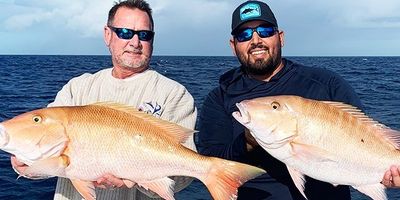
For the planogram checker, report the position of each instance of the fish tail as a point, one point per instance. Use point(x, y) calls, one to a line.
point(224, 178)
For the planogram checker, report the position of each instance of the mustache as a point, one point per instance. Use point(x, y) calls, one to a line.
point(135, 51)
point(257, 46)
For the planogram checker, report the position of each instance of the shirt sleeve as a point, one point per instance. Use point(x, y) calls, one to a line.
point(216, 137)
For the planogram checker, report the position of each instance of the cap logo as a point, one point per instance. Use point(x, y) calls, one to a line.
point(250, 10)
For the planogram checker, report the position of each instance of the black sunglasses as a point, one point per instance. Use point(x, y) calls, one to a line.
point(247, 33)
point(127, 34)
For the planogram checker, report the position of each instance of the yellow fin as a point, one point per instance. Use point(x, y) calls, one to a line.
point(116, 106)
point(176, 132)
point(226, 176)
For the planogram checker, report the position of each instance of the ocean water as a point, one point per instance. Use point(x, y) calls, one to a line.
point(31, 82)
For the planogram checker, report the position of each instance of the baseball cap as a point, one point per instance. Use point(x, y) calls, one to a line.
point(252, 10)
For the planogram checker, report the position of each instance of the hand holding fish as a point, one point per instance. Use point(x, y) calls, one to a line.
point(19, 167)
point(251, 143)
point(109, 181)
point(392, 177)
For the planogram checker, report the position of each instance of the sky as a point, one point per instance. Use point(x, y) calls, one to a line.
point(202, 27)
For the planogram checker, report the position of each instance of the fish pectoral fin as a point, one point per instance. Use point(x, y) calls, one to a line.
point(47, 167)
point(164, 187)
point(375, 191)
point(298, 179)
point(308, 152)
point(85, 188)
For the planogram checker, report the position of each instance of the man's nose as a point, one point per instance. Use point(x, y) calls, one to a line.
point(134, 41)
point(256, 38)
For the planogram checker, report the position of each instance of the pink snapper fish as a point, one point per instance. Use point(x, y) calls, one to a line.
point(328, 141)
point(83, 143)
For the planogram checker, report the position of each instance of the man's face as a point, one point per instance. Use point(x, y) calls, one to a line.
point(259, 56)
point(131, 54)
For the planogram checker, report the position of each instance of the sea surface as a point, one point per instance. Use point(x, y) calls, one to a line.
point(31, 82)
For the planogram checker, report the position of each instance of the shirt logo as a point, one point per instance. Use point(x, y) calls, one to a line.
point(250, 10)
point(151, 108)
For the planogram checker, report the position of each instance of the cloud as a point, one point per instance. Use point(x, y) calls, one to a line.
point(23, 21)
point(83, 16)
point(193, 27)
point(88, 16)
point(362, 13)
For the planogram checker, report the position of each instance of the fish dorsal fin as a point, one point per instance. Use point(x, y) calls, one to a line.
point(389, 135)
point(116, 106)
point(176, 132)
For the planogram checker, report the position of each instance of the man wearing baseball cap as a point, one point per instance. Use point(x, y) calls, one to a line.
point(257, 42)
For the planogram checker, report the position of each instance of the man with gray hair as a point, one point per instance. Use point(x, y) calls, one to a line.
point(129, 36)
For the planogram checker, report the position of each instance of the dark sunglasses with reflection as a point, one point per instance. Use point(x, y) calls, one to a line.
point(263, 31)
point(127, 34)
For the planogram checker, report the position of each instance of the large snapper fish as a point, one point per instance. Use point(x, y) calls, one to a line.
point(83, 143)
point(329, 141)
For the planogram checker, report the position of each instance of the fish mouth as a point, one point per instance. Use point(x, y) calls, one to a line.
point(4, 137)
point(242, 115)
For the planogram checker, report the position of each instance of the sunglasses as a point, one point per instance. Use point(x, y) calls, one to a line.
point(262, 31)
point(127, 34)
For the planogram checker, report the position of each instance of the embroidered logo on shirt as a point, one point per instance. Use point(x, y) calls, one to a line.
point(152, 108)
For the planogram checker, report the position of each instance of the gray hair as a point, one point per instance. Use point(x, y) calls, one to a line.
point(132, 4)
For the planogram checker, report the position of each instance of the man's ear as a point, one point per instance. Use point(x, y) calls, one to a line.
point(107, 35)
point(232, 44)
point(282, 38)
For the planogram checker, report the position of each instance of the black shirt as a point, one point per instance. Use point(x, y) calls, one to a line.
point(222, 136)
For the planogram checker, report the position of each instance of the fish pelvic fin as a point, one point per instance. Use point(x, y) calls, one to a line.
point(128, 183)
point(298, 180)
point(85, 188)
point(225, 177)
point(375, 191)
point(164, 187)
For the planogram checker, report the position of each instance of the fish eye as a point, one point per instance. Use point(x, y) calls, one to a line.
point(275, 105)
point(37, 119)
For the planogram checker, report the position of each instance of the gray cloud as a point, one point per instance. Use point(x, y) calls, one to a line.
point(202, 27)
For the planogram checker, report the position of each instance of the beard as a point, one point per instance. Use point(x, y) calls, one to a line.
point(260, 67)
point(138, 63)
point(133, 64)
